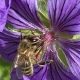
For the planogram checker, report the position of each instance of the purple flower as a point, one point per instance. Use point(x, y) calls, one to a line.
point(64, 17)
point(4, 7)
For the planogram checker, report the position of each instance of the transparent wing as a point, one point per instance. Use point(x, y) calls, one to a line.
point(19, 73)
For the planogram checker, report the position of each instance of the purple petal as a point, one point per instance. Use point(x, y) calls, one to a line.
point(72, 52)
point(4, 7)
point(65, 15)
point(57, 71)
point(23, 14)
point(8, 44)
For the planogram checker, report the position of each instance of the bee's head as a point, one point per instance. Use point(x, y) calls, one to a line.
point(31, 39)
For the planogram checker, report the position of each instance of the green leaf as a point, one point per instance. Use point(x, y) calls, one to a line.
point(76, 37)
point(44, 19)
point(42, 5)
point(61, 55)
point(42, 12)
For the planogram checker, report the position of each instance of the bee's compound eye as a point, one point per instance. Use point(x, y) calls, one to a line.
point(33, 39)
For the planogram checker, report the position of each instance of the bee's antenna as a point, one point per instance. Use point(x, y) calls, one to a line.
point(21, 37)
point(32, 32)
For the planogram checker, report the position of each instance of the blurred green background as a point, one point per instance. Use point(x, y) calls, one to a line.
point(4, 70)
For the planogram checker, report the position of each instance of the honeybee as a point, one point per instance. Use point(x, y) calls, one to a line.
point(30, 52)
point(25, 59)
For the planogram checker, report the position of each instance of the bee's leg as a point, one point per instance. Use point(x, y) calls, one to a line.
point(43, 63)
point(32, 32)
point(35, 61)
point(38, 53)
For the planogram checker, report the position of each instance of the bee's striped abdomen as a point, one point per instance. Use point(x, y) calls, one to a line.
point(27, 67)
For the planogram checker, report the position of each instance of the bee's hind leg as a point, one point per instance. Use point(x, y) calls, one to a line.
point(43, 63)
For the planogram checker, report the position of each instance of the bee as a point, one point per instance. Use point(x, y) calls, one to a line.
point(30, 52)
point(29, 47)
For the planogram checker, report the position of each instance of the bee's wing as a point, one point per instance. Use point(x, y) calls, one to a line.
point(19, 73)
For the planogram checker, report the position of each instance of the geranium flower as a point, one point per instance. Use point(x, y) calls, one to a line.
point(4, 7)
point(64, 18)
